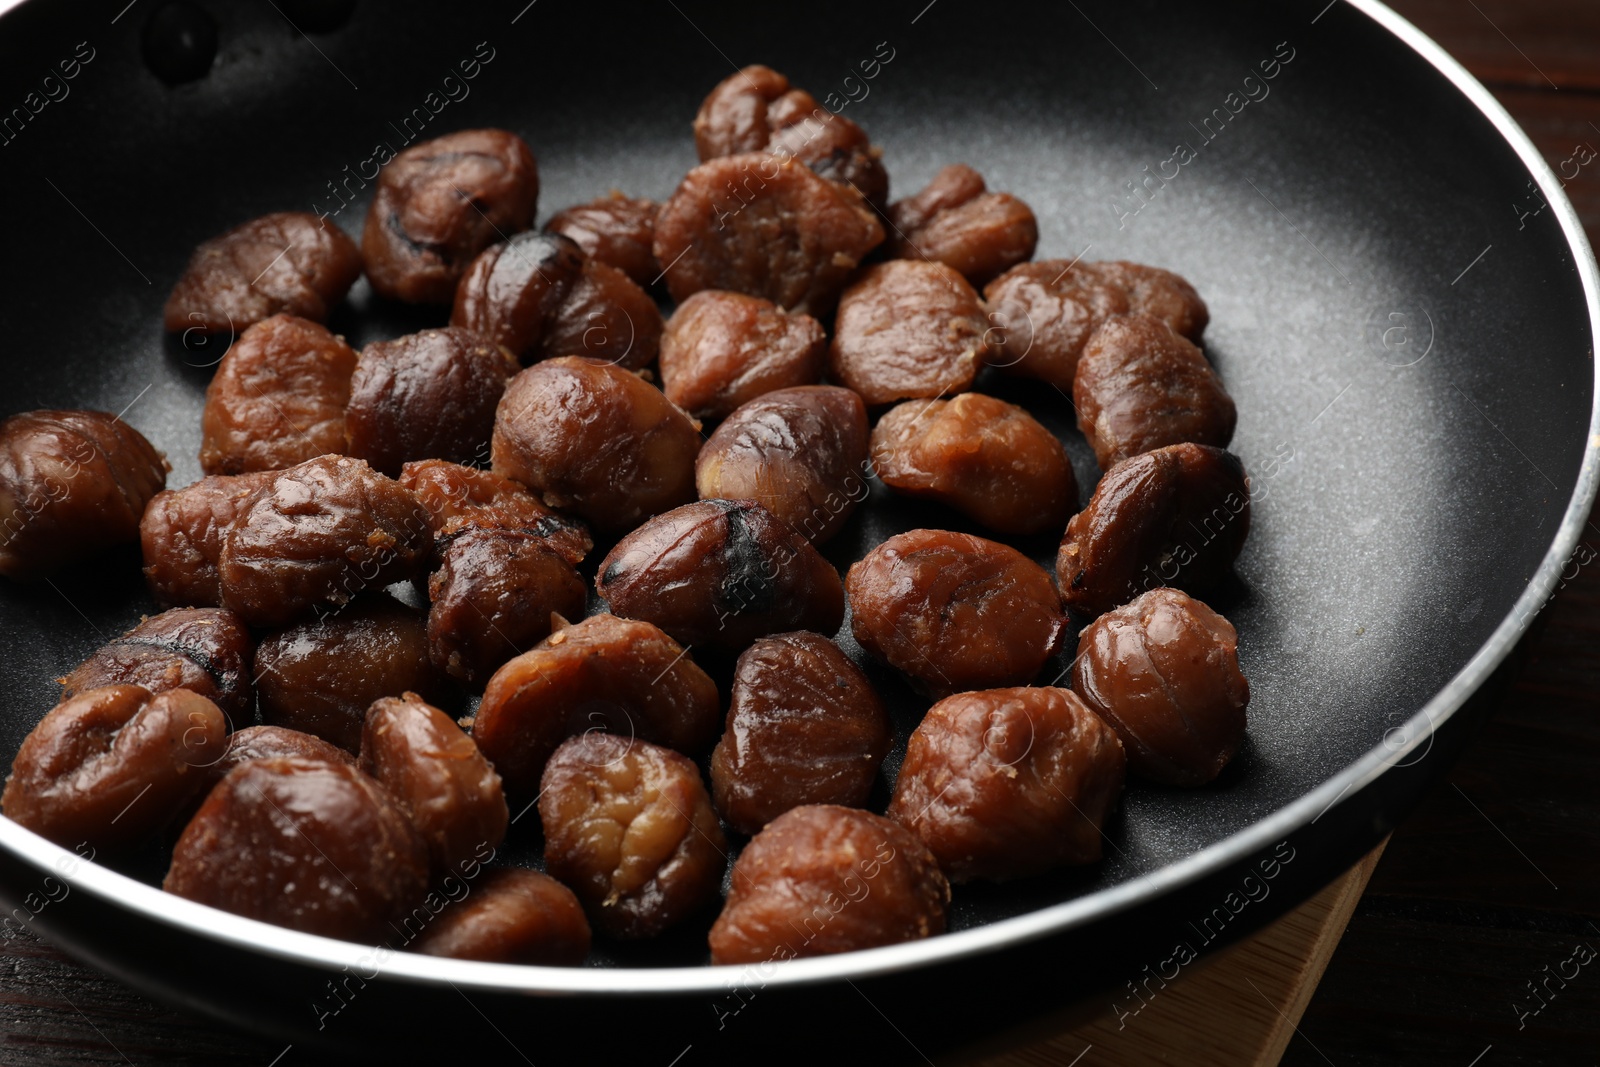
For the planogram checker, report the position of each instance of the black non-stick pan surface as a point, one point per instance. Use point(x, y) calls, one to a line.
point(1401, 307)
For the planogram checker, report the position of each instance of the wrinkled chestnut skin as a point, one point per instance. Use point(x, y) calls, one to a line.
point(908, 328)
point(1044, 312)
point(441, 202)
point(287, 262)
point(275, 546)
point(1140, 386)
point(756, 109)
point(804, 726)
point(1167, 296)
point(596, 440)
point(309, 844)
point(615, 230)
point(504, 561)
point(629, 827)
point(182, 533)
point(430, 395)
point(203, 650)
point(439, 778)
point(721, 350)
point(512, 290)
point(986, 458)
point(823, 879)
point(511, 915)
point(493, 596)
point(268, 742)
point(605, 316)
point(1177, 516)
point(456, 497)
point(956, 221)
point(954, 612)
point(72, 484)
point(766, 226)
point(800, 453)
point(1005, 783)
point(1164, 672)
point(721, 573)
point(317, 535)
point(278, 398)
point(603, 673)
point(320, 676)
point(110, 766)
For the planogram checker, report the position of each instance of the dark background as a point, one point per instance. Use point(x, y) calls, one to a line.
point(1494, 878)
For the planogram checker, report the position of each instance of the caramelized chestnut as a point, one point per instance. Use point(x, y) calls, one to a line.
point(1176, 516)
point(203, 650)
point(429, 395)
point(596, 440)
point(1163, 670)
point(511, 291)
point(72, 483)
point(438, 776)
point(804, 726)
point(800, 453)
point(111, 766)
point(720, 350)
point(273, 547)
point(511, 915)
point(1044, 312)
point(765, 225)
point(1009, 782)
point(441, 202)
point(956, 221)
point(954, 612)
point(288, 261)
point(278, 398)
point(822, 879)
point(603, 673)
point(756, 108)
point(320, 676)
point(1140, 385)
point(308, 844)
point(908, 328)
point(615, 230)
point(986, 458)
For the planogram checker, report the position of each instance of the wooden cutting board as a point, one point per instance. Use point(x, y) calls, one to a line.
point(1236, 1008)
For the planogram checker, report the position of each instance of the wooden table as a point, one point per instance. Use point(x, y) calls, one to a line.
point(1482, 896)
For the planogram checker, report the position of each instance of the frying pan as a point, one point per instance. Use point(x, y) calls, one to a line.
point(1403, 306)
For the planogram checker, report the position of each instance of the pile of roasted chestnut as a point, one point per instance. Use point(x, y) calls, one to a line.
point(381, 531)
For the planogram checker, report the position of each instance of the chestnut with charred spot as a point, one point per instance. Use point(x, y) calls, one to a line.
point(721, 573)
point(800, 453)
point(441, 202)
point(203, 650)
